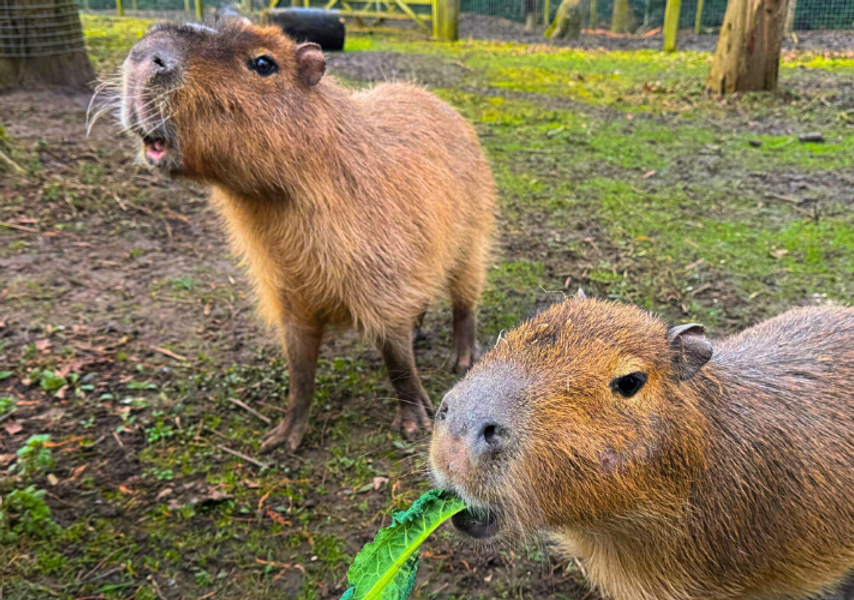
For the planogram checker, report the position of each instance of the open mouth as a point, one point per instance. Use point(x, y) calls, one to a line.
point(480, 524)
point(155, 148)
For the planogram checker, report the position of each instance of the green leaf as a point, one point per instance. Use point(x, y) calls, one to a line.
point(5, 375)
point(385, 568)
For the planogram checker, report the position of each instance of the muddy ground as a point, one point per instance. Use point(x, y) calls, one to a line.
point(127, 328)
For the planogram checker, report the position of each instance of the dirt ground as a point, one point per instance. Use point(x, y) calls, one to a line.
point(127, 329)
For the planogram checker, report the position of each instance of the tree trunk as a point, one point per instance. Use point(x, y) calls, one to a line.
point(594, 15)
point(748, 53)
point(567, 23)
point(620, 17)
point(531, 10)
point(41, 43)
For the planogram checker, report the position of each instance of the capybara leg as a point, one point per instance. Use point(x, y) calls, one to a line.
point(302, 345)
point(465, 287)
point(847, 591)
point(418, 333)
point(464, 352)
point(413, 402)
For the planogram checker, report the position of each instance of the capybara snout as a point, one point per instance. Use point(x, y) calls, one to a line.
point(669, 466)
point(189, 89)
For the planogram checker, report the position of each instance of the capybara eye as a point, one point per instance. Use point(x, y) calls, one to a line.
point(263, 65)
point(629, 385)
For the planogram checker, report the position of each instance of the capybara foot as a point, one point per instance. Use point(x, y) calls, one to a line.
point(289, 432)
point(412, 418)
point(461, 361)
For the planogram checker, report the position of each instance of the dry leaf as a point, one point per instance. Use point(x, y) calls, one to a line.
point(13, 427)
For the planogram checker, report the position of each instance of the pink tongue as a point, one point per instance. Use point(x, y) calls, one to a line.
point(155, 150)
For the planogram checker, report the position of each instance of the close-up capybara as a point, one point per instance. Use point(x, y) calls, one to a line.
point(669, 466)
point(351, 209)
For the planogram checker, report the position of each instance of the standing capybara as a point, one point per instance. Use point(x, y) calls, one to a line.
point(350, 209)
point(671, 467)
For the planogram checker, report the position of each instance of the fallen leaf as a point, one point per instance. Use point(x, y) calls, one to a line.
point(648, 174)
point(51, 479)
point(779, 253)
point(378, 482)
point(13, 427)
point(43, 345)
point(163, 494)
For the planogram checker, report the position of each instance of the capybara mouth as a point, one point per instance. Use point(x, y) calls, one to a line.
point(155, 148)
point(478, 523)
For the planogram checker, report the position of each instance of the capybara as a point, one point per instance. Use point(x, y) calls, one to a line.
point(672, 467)
point(351, 209)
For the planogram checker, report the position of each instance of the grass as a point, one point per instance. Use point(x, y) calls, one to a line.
point(615, 174)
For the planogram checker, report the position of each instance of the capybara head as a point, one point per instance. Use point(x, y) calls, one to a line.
point(222, 104)
point(581, 416)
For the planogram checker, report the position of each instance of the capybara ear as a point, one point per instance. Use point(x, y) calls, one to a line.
point(310, 63)
point(689, 349)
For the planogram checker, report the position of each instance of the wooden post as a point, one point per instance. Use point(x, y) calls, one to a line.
point(747, 57)
point(594, 16)
point(698, 19)
point(187, 6)
point(448, 12)
point(547, 9)
point(620, 17)
point(671, 24)
point(85, 4)
point(531, 11)
point(133, 4)
point(120, 10)
point(790, 16)
point(200, 11)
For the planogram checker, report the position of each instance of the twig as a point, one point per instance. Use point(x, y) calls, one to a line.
point(168, 353)
point(273, 406)
point(249, 459)
point(19, 227)
point(7, 415)
point(156, 587)
point(96, 577)
point(247, 408)
point(15, 165)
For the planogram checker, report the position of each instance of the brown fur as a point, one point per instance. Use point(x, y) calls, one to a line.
point(350, 209)
point(737, 483)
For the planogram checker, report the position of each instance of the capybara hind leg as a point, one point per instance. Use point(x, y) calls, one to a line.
point(464, 352)
point(413, 402)
point(302, 345)
point(465, 287)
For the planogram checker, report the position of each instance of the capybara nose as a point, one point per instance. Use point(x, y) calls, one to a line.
point(489, 439)
point(163, 63)
point(485, 411)
point(157, 58)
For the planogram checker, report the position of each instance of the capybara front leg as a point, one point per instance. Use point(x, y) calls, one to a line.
point(302, 345)
point(418, 333)
point(465, 351)
point(414, 407)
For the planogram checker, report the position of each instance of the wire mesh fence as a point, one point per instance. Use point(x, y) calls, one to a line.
point(644, 15)
point(40, 28)
point(649, 14)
